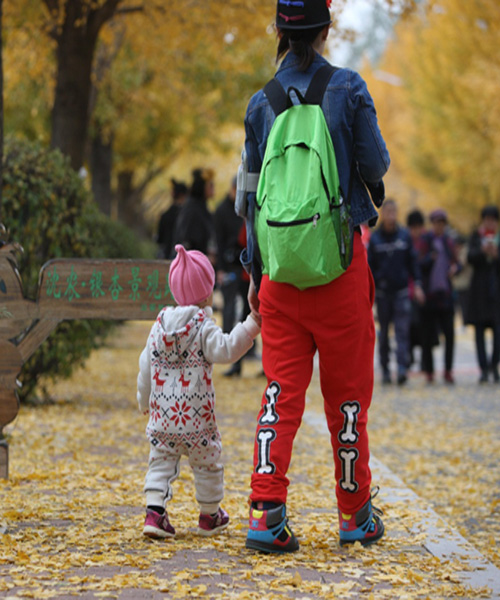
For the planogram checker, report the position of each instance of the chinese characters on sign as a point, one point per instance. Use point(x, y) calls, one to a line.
point(134, 283)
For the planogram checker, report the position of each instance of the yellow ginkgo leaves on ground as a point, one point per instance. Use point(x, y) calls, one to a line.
point(73, 508)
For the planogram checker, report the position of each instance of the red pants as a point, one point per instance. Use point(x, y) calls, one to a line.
point(337, 320)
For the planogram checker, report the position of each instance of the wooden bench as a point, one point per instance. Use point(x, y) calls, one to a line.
point(68, 289)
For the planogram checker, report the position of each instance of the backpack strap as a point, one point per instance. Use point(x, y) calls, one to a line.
point(319, 83)
point(278, 98)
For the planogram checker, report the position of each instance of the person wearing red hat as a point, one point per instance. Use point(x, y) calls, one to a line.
point(174, 387)
point(335, 319)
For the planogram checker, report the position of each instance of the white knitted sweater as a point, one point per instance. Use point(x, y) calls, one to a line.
point(175, 368)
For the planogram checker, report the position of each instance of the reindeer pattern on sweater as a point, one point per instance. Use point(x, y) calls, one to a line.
point(175, 378)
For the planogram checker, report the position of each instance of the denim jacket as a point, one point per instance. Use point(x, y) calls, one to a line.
point(352, 121)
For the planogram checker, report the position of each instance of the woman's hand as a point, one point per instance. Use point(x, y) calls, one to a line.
point(253, 298)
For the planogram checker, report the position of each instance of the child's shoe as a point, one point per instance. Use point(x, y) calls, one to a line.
point(365, 526)
point(157, 526)
point(269, 531)
point(211, 525)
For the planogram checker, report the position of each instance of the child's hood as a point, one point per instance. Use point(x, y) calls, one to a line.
point(176, 329)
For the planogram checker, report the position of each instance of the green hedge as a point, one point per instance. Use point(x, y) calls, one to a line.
point(48, 210)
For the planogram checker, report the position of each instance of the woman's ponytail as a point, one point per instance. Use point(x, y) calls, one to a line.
point(300, 42)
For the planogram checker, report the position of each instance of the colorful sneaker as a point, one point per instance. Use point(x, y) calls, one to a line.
point(365, 526)
point(269, 531)
point(157, 526)
point(209, 525)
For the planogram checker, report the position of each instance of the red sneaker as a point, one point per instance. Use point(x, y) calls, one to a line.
point(157, 526)
point(211, 525)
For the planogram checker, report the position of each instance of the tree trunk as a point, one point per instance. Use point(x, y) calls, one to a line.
point(76, 39)
point(1, 107)
point(101, 163)
point(129, 203)
point(70, 117)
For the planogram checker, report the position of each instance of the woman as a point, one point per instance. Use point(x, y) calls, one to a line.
point(483, 310)
point(336, 319)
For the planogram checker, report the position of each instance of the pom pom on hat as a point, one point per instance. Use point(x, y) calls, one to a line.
point(191, 277)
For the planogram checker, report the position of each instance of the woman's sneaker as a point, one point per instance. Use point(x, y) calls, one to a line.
point(365, 526)
point(269, 531)
point(212, 524)
point(157, 526)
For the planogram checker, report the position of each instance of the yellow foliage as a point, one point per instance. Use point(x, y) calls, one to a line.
point(443, 122)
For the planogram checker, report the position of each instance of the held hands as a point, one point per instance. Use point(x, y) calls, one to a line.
point(253, 298)
point(256, 317)
point(253, 301)
point(419, 294)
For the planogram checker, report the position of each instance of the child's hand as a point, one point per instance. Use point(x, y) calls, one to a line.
point(256, 317)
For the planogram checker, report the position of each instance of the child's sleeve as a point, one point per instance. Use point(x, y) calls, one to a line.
point(219, 347)
point(144, 381)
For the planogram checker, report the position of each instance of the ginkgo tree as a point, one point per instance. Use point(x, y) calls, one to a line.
point(445, 117)
point(150, 78)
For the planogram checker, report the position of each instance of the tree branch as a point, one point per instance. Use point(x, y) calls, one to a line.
point(98, 16)
point(52, 6)
point(129, 9)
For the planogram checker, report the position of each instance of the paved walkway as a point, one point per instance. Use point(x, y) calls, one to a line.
point(71, 515)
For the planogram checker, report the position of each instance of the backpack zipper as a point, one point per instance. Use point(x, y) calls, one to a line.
point(314, 220)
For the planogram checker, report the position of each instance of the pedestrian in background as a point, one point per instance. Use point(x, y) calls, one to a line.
point(168, 220)
point(483, 308)
point(195, 226)
point(462, 280)
point(415, 222)
point(233, 285)
point(393, 261)
point(439, 264)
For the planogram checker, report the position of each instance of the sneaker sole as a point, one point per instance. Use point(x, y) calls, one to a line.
point(364, 542)
point(269, 548)
point(211, 532)
point(156, 534)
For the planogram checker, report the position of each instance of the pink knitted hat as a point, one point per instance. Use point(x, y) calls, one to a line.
point(191, 277)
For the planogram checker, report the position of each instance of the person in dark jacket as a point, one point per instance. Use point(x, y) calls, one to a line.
point(439, 263)
point(195, 226)
point(393, 261)
point(483, 309)
point(230, 278)
point(168, 220)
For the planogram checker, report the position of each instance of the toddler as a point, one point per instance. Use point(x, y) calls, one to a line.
point(174, 386)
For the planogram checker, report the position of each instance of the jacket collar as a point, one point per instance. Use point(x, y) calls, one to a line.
point(291, 61)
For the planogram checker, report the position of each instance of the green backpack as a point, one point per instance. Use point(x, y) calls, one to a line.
point(302, 222)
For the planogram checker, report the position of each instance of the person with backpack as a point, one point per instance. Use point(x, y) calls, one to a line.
point(313, 154)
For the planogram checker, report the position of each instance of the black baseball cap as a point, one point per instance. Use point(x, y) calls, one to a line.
point(302, 14)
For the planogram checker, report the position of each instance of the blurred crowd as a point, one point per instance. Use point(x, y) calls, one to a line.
point(426, 275)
